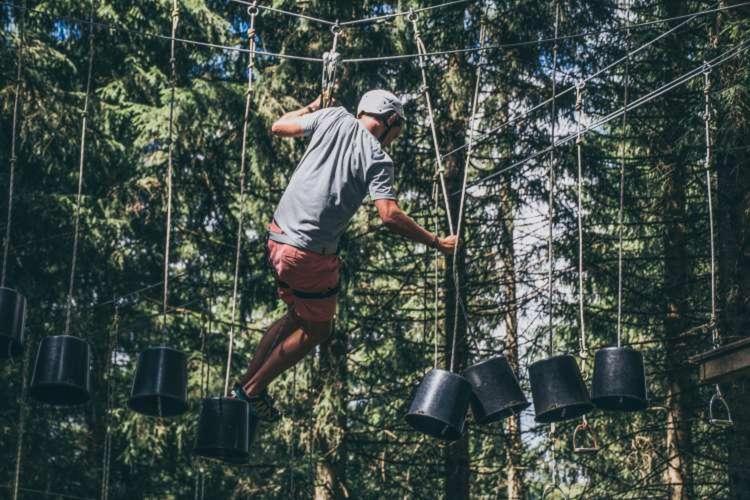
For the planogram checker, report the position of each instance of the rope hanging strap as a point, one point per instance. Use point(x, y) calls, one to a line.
point(579, 156)
point(462, 203)
point(170, 166)
point(253, 12)
point(424, 90)
point(551, 180)
point(81, 162)
point(331, 61)
point(13, 141)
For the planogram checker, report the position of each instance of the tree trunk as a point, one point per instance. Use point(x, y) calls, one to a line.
point(330, 442)
point(678, 472)
point(514, 447)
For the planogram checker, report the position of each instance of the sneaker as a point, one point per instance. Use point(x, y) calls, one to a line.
point(262, 404)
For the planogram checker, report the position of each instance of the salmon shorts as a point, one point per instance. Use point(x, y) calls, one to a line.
point(304, 271)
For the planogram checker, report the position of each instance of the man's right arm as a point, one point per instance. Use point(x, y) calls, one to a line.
point(289, 126)
point(399, 222)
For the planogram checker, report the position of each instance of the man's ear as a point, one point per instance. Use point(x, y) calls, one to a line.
point(392, 119)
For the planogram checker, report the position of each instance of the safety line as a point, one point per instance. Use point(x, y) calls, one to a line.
point(724, 57)
point(286, 12)
point(115, 28)
point(579, 157)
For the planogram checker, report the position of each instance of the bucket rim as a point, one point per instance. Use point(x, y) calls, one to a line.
point(552, 358)
point(639, 403)
point(546, 417)
point(81, 394)
point(422, 416)
point(512, 408)
point(180, 407)
point(13, 290)
point(162, 348)
point(480, 363)
point(615, 348)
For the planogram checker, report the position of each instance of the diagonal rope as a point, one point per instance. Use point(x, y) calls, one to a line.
point(626, 82)
point(707, 116)
point(170, 167)
point(727, 55)
point(462, 204)
point(253, 11)
point(551, 181)
point(81, 163)
point(425, 90)
point(13, 141)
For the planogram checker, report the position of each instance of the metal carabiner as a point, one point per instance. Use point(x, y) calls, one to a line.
point(717, 398)
point(584, 428)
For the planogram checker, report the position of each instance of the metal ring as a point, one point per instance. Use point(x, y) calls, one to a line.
point(253, 10)
point(412, 16)
point(336, 28)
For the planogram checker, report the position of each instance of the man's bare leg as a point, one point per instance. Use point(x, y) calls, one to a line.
point(276, 333)
point(287, 353)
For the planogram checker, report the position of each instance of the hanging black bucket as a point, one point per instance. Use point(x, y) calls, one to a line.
point(619, 380)
point(12, 321)
point(558, 390)
point(440, 404)
point(497, 393)
point(62, 371)
point(160, 383)
point(225, 430)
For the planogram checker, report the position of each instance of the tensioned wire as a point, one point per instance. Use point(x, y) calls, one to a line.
point(684, 78)
point(551, 187)
point(235, 48)
point(571, 88)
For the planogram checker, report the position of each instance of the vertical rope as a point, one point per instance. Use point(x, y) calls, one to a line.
point(81, 162)
point(21, 421)
point(462, 204)
point(709, 192)
point(170, 167)
point(436, 267)
point(253, 11)
point(626, 82)
point(13, 140)
point(107, 455)
point(551, 180)
point(425, 90)
point(579, 155)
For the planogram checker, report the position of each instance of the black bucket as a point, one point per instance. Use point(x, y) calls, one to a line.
point(440, 404)
point(225, 430)
point(12, 321)
point(558, 390)
point(619, 380)
point(497, 393)
point(62, 371)
point(160, 383)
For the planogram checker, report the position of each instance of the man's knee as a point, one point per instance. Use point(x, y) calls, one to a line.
point(318, 330)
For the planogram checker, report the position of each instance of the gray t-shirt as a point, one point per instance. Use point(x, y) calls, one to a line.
point(343, 163)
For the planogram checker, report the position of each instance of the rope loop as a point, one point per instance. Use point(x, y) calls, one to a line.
point(252, 10)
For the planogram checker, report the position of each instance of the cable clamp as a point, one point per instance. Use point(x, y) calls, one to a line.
point(423, 89)
point(175, 14)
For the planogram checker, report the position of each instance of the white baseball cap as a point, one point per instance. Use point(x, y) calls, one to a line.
point(380, 102)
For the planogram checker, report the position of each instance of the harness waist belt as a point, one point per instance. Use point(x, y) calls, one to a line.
point(286, 240)
point(311, 295)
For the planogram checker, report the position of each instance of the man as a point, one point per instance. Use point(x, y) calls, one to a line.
point(343, 163)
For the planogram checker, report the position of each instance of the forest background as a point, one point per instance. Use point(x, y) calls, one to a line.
point(343, 434)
